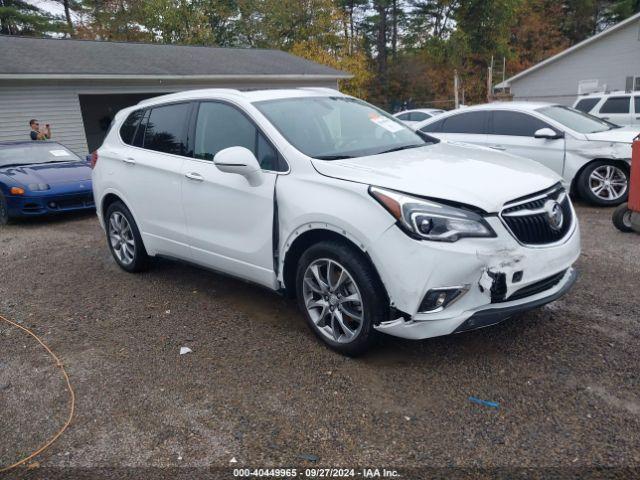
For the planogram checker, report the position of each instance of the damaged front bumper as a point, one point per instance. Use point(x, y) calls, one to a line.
point(503, 276)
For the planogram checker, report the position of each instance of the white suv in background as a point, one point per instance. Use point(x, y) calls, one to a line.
point(374, 228)
point(621, 108)
point(593, 156)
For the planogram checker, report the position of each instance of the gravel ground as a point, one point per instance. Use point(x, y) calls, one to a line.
point(260, 388)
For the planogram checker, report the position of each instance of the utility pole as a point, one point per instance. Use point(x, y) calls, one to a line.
point(490, 81)
point(455, 89)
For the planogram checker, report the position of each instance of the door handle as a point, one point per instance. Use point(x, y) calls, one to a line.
point(497, 147)
point(605, 118)
point(129, 160)
point(194, 176)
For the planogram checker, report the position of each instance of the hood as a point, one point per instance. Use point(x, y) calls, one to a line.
point(459, 173)
point(50, 173)
point(623, 134)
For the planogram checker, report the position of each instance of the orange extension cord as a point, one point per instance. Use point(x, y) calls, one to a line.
point(72, 398)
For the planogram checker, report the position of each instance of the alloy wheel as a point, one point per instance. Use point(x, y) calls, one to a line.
point(608, 182)
point(121, 238)
point(333, 300)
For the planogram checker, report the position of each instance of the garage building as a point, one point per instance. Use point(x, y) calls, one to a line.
point(607, 61)
point(78, 85)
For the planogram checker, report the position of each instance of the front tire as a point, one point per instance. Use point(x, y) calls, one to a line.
point(622, 218)
point(604, 183)
point(124, 240)
point(341, 296)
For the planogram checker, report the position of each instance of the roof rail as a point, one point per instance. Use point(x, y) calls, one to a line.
point(184, 93)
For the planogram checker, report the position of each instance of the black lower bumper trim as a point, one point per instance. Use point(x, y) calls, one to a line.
point(491, 316)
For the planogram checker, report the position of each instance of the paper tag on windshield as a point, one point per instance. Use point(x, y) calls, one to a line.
point(59, 153)
point(385, 123)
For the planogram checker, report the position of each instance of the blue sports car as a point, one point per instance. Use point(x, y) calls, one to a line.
point(39, 178)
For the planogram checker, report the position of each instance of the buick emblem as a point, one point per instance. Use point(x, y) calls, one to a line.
point(555, 217)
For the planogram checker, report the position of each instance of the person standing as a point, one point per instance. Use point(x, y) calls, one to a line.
point(36, 133)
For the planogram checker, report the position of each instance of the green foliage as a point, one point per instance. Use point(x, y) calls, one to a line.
point(18, 17)
point(399, 51)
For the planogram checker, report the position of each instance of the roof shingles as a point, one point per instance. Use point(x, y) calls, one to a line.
point(33, 56)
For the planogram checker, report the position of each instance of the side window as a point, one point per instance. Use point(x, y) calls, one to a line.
point(616, 105)
point(469, 122)
point(637, 100)
point(166, 129)
point(221, 126)
point(433, 127)
point(139, 135)
point(128, 128)
point(586, 104)
point(404, 116)
point(515, 124)
point(419, 116)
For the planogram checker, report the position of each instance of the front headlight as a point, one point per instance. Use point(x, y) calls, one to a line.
point(38, 187)
point(429, 220)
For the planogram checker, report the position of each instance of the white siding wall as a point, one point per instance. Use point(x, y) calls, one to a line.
point(610, 59)
point(58, 104)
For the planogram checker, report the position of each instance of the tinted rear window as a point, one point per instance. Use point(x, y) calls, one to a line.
point(615, 105)
point(167, 129)
point(128, 128)
point(404, 116)
point(586, 104)
point(637, 100)
point(515, 124)
point(469, 122)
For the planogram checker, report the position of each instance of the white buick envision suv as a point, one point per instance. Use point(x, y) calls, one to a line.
point(374, 228)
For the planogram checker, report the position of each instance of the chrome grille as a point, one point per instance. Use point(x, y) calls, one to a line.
point(534, 220)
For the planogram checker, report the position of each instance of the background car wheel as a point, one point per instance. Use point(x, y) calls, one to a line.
point(341, 296)
point(4, 211)
point(124, 240)
point(604, 183)
point(622, 218)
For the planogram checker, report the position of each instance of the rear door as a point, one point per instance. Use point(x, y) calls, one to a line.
point(513, 132)
point(468, 127)
point(229, 221)
point(617, 110)
point(150, 177)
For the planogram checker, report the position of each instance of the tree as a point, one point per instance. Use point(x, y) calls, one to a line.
point(18, 17)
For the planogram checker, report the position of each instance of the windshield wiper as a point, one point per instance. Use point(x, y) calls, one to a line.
point(333, 157)
point(397, 149)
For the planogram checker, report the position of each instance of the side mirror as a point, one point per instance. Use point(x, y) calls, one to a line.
point(547, 133)
point(241, 161)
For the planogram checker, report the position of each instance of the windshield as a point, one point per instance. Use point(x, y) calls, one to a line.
point(576, 120)
point(36, 152)
point(331, 128)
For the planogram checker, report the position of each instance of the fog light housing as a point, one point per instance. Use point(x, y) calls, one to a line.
point(437, 299)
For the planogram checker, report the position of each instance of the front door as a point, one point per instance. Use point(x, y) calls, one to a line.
point(229, 221)
point(513, 132)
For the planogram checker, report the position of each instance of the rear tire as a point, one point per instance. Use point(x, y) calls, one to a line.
point(604, 183)
point(4, 210)
point(124, 240)
point(622, 218)
point(341, 296)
